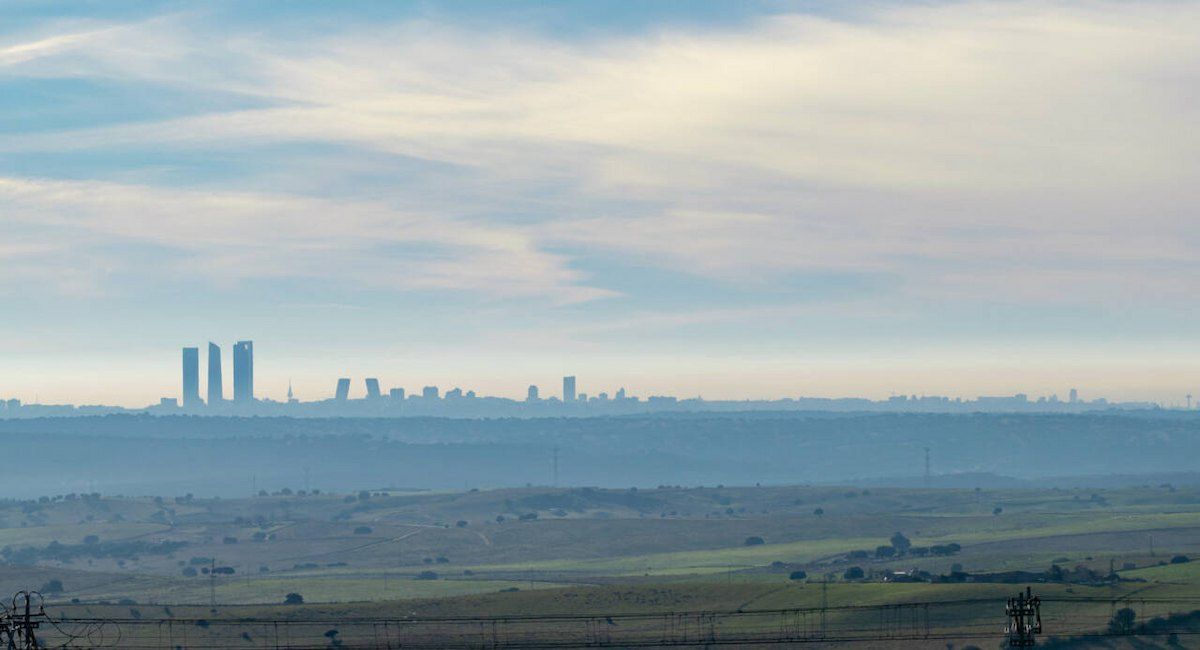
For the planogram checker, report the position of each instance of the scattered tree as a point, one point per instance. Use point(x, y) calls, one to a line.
point(820, 512)
point(754, 540)
point(52, 586)
point(797, 575)
point(1180, 559)
point(853, 573)
point(293, 599)
point(1122, 621)
point(901, 543)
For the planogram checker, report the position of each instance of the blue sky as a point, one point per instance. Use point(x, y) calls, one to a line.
point(755, 199)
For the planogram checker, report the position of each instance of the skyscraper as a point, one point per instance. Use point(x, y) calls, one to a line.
point(243, 372)
point(532, 394)
point(343, 389)
point(373, 388)
point(216, 393)
point(191, 377)
point(569, 389)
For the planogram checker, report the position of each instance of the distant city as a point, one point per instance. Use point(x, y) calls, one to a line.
point(431, 401)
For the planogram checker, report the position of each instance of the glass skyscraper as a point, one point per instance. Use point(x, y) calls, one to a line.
point(216, 391)
point(243, 372)
point(191, 377)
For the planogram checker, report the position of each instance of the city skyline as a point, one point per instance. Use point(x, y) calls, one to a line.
point(372, 390)
point(822, 380)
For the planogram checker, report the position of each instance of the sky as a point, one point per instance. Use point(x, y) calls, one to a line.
point(758, 199)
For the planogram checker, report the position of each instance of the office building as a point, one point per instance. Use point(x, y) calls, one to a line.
point(568, 394)
point(191, 377)
point(532, 394)
point(396, 394)
point(343, 389)
point(373, 388)
point(429, 392)
point(216, 392)
point(243, 372)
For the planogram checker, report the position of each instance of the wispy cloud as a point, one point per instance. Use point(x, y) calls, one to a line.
point(950, 144)
point(229, 237)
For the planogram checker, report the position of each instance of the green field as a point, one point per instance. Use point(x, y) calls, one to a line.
point(582, 552)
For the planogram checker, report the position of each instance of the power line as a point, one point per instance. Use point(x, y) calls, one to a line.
point(839, 624)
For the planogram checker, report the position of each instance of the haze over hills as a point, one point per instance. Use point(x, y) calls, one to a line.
point(231, 456)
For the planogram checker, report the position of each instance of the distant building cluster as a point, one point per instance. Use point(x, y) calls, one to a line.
point(243, 380)
point(456, 402)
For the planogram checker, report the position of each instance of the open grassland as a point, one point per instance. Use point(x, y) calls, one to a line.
point(588, 552)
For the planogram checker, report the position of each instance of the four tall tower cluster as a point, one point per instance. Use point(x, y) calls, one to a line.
point(243, 375)
point(243, 381)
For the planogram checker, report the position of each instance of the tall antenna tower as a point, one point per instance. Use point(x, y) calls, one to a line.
point(927, 474)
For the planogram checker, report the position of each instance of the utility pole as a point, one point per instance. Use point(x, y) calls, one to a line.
point(21, 628)
point(824, 604)
point(927, 475)
point(212, 584)
point(1024, 619)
